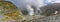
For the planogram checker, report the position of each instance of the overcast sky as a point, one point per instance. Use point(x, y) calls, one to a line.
point(16, 2)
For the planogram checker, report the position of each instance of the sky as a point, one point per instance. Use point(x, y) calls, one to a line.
point(16, 2)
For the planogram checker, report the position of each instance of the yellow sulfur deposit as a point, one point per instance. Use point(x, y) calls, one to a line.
point(10, 10)
point(14, 15)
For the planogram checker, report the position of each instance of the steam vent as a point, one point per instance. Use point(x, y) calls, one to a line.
point(9, 12)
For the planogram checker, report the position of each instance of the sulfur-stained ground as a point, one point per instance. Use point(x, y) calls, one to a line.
point(54, 18)
point(36, 18)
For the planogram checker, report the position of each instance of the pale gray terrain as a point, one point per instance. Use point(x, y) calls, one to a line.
point(55, 18)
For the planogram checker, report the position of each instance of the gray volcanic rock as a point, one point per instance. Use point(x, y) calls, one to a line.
point(55, 18)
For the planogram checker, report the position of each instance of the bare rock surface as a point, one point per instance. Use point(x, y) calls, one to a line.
point(55, 18)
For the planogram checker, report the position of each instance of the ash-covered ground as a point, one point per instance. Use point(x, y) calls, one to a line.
point(38, 18)
point(52, 18)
